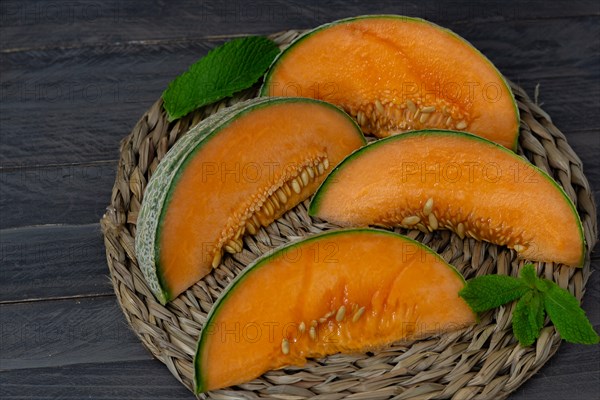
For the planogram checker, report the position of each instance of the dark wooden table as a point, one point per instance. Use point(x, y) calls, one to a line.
point(75, 77)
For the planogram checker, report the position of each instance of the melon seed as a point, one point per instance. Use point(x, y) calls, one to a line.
point(428, 109)
point(312, 332)
point(424, 117)
point(285, 346)
point(274, 202)
point(286, 188)
point(296, 186)
point(268, 208)
point(250, 227)
point(379, 107)
point(428, 207)
point(433, 222)
point(228, 248)
point(301, 327)
point(449, 121)
point(411, 106)
point(518, 248)
point(413, 219)
point(461, 125)
point(460, 229)
point(320, 169)
point(304, 177)
point(281, 196)
point(326, 163)
point(339, 317)
point(358, 314)
point(217, 259)
point(311, 172)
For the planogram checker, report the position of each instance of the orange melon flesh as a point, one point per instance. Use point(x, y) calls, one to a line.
point(396, 74)
point(391, 288)
point(473, 187)
point(234, 171)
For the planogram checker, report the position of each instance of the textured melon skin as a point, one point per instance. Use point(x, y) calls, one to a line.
point(161, 187)
point(281, 59)
point(412, 252)
point(358, 217)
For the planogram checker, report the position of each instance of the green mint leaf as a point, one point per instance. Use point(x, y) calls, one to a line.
point(566, 315)
point(225, 70)
point(490, 291)
point(528, 317)
point(529, 275)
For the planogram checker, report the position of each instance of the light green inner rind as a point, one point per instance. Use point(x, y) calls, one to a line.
point(282, 251)
point(315, 203)
point(264, 88)
point(162, 185)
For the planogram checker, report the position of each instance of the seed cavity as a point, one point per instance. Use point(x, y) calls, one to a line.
point(428, 207)
point(285, 346)
point(341, 313)
point(413, 219)
point(358, 314)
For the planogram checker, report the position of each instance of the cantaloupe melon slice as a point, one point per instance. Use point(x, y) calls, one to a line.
point(234, 172)
point(454, 180)
point(342, 291)
point(395, 74)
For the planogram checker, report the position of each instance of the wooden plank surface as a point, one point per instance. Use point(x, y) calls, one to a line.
point(75, 77)
point(51, 262)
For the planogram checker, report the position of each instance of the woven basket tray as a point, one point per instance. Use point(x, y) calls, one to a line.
point(481, 362)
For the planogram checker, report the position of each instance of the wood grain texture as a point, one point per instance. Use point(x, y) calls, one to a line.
point(53, 333)
point(110, 380)
point(76, 76)
point(64, 194)
point(109, 87)
point(49, 262)
point(93, 22)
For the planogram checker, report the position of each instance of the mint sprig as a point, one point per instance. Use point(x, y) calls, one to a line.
point(225, 70)
point(535, 298)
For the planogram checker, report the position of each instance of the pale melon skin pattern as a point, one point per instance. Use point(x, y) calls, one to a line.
point(348, 291)
point(396, 74)
point(439, 179)
point(176, 248)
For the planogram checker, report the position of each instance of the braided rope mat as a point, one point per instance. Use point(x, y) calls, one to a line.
point(481, 362)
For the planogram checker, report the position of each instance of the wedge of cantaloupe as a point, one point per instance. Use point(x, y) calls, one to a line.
point(238, 170)
point(341, 291)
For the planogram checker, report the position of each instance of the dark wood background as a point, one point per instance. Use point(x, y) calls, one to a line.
point(75, 77)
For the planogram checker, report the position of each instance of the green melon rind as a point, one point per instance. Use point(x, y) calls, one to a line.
point(199, 384)
point(264, 88)
point(315, 203)
point(160, 188)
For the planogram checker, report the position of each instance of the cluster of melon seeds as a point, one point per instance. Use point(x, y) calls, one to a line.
point(269, 204)
point(428, 219)
point(337, 315)
point(384, 117)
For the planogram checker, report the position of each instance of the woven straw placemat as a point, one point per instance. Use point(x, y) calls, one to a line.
point(481, 362)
